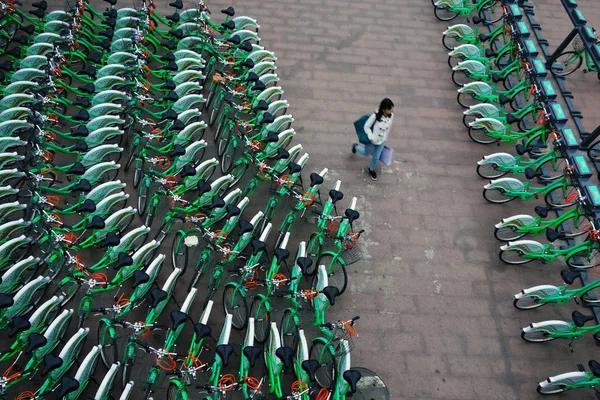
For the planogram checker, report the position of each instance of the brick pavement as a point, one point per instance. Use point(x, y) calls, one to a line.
point(434, 300)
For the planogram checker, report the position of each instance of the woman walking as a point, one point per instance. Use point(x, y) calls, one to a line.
point(377, 128)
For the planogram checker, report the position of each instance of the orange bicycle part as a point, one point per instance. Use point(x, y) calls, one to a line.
point(252, 383)
point(78, 263)
point(146, 72)
point(554, 135)
point(122, 301)
point(145, 331)
point(299, 387)
point(532, 89)
point(8, 375)
point(25, 395)
point(350, 328)
point(256, 146)
point(261, 169)
point(191, 360)
point(220, 235)
point(230, 59)
point(323, 394)
point(52, 199)
point(251, 282)
point(47, 156)
point(308, 198)
point(311, 294)
point(226, 252)
point(226, 382)
point(70, 238)
point(152, 25)
point(284, 181)
point(332, 228)
point(163, 162)
point(348, 244)
point(58, 219)
point(280, 277)
point(101, 278)
point(167, 363)
point(171, 180)
point(594, 235)
point(542, 117)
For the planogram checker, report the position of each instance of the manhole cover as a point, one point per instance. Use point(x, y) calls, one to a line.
point(370, 386)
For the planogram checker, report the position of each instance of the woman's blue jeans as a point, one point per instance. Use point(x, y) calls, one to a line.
point(371, 149)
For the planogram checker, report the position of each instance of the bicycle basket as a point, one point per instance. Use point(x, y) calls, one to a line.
point(344, 343)
point(352, 255)
point(578, 43)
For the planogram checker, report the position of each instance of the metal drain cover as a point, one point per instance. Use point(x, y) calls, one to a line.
point(370, 386)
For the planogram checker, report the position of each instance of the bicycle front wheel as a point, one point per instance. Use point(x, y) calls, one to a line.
point(584, 259)
point(234, 303)
point(313, 251)
point(566, 63)
point(575, 226)
point(559, 198)
point(109, 350)
point(142, 201)
point(323, 354)
point(174, 392)
point(492, 12)
point(445, 13)
point(336, 271)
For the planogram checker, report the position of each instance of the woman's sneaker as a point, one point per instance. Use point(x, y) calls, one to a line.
point(373, 174)
point(353, 148)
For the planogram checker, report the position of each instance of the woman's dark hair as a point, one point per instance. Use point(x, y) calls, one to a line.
point(385, 104)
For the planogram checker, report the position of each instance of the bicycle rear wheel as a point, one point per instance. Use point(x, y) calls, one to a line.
point(260, 313)
point(323, 354)
point(496, 196)
point(174, 392)
point(566, 63)
point(179, 252)
point(336, 271)
point(289, 330)
point(584, 259)
point(142, 201)
point(445, 13)
point(234, 303)
point(109, 350)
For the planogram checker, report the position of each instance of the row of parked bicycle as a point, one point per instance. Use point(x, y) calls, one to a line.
point(480, 63)
point(72, 109)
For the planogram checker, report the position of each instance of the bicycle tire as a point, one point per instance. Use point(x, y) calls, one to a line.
point(216, 110)
point(138, 174)
point(284, 229)
point(566, 63)
point(126, 374)
point(527, 303)
point(552, 172)
point(212, 288)
point(495, 196)
point(324, 355)
point(494, 12)
point(223, 141)
point(460, 78)
point(451, 42)
point(536, 337)
point(238, 171)
point(513, 257)
point(313, 251)
point(583, 260)
point(262, 319)
point(439, 12)
point(286, 143)
point(68, 294)
point(336, 272)
point(227, 159)
point(132, 153)
point(174, 392)
point(152, 210)
point(481, 136)
point(289, 330)
point(179, 252)
point(508, 234)
point(490, 171)
point(234, 303)
point(571, 228)
point(109, 351)
point(466, 100)
point(594, 151)
point(142, 201)
point(555, 388)
point(555, 198)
